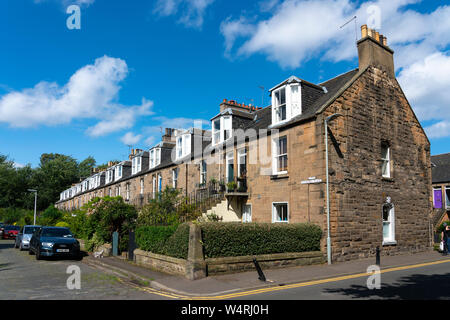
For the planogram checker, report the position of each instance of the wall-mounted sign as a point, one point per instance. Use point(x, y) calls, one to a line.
point(311, 181)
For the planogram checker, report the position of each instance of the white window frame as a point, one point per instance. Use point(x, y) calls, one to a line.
point(390, 239)
point(216, 133)
point(277, 105)
point(447, 198)
point(155, 157)
point(275, 215)
point(183, 146)
point(225, 125)
point(142, 185)
point(229, 156)
point(276, 156)
point(175, 173)
point(241, 154)
point(127, 192)
point(203, 172)
point(154, 186)
point(386, 160)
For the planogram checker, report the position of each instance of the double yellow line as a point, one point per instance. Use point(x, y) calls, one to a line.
point(284, 287)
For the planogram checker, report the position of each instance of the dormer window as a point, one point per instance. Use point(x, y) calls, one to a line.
point(136, 165)
point(109, 175)
point(155, 157)
point(222, 129)
point(279, 105)
point(118, 173)
point(286, 100)
point(183, 147)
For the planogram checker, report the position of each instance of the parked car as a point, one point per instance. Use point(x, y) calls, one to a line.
point(54, 242)
point(10, 232)
point(2, 225)
point(24, 236)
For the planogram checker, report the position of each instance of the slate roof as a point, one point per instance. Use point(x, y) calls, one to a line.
point(440, 168)
point(314, 98)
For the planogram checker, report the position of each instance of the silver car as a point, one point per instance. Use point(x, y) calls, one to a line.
point(24, 236)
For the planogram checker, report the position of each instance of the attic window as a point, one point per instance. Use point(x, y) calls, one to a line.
point(280, 105)
point(222, 129)
point(155, 157)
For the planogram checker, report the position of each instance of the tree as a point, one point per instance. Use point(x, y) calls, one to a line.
point(55, 173)
point(85, 167)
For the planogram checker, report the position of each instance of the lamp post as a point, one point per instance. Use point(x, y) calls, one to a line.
point(328, 119)
point(35, 200)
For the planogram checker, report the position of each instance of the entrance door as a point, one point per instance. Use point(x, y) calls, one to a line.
point(437, 198)
point(247, 213)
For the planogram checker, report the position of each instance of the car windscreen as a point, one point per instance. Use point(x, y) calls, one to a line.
point(56, 233)
point(30, 230)
point(12, 228)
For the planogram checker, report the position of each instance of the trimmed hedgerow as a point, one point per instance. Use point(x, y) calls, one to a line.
point(171, 241)
point(237, 239)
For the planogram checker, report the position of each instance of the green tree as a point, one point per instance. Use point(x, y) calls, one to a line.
point(56, 172)
point(85, 167)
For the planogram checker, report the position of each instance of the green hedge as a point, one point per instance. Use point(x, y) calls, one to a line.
point(171, 241)
point(237, 239)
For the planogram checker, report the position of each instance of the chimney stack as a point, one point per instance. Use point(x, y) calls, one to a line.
point(373, 51)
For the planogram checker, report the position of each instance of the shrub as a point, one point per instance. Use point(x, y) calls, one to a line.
point(50, 216)
point(62, 224)
point(15, 215)
point(236, 239)
point(160, 211)
point(441, 227)
point(172, 241)
point(107, 215)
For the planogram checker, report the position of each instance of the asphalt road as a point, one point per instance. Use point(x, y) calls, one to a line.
point(23, 277)
point(423, 283)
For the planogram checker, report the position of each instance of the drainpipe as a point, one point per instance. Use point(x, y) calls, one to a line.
point(333, 116)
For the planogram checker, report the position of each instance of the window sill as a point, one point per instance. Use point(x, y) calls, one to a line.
point(390, 243)
point(281, 175)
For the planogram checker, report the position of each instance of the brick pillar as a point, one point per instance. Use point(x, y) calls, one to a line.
point(196, 265)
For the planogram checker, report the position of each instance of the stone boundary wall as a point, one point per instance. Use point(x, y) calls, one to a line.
point(161, 263)
point(197, 267)
point(267, 261)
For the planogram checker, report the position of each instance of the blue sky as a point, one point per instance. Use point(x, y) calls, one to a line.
point(138, 66)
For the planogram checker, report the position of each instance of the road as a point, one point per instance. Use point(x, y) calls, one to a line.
point(428, 282)
point(23, 277)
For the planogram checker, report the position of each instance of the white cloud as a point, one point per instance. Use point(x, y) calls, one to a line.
point(91, 93)
point(155, 132)
point(70, 2)
point(426, 83)
point(131, 139)
point(300, 30)
point(191, 12)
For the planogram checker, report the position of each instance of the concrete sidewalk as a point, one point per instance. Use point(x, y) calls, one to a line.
point(230, 283)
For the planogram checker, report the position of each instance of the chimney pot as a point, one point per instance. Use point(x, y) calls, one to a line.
point(364, 31)
point(377, 36)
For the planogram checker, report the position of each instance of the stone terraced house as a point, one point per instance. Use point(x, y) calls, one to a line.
point(272, 161)
point(441, 188)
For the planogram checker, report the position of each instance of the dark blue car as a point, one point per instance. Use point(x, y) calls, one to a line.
point(54, 242)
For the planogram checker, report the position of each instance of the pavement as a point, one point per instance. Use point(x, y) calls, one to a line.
point(230, 284)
